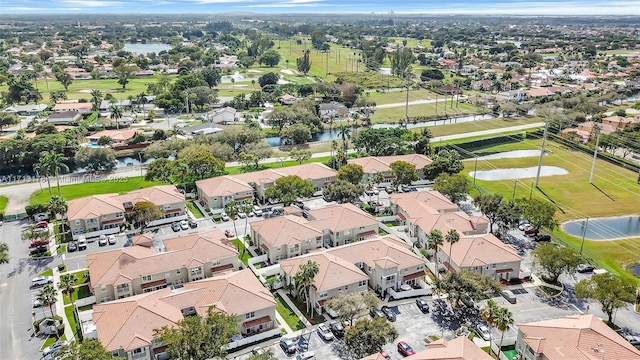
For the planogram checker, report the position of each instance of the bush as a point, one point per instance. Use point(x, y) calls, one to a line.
point(35, 209)
point(55, 317)
point(61, 267)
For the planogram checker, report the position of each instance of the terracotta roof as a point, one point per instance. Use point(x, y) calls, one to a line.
point(159, 195)
point(479, 250)
point(460, 348)
point(120, 266)
point(223, 186)
point(145, 239)
point(333, 271)
point(417, 204)
point(375, 164)
point(376, 356)
point(340, 217)
point(92, 207)
point(458, 220)
point(577, 337)
point(285, 230)
point(128, 323)
point(309, 171)
point(386, 252)
point(73, 106)
point(116, 135)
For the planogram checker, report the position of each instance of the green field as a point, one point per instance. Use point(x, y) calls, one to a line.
point(479, 125)
point(244, 257)
point(3, 203)
point(287, 314)
point(194, 209)
point(70, 192)
point(392, 115)
point(614, 192)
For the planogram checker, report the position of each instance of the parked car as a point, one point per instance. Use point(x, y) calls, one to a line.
point(523, 224)
point(39, 249)
point(102, 241)
point(483, 332)
point(224, 217)
point(175, 227)
point(41, 281)
point(389, 313)
point(257, 211)
point(40, 225)
point(228, 233)
point(385, 355)
point(112, 240)
point(507, 294)
point(82, 244)
point(632, 339)
point(242, 215)
point(307, 355)
point(287, 345)
point(585, 268)
point(422, 305)
point(376, 313)
point(529, 229)
point(193, 224)
point(405, 349)
point(184, 225)
point(467, 301)
point(337, 329)
point(38, 242)
point(542, 237)
point(72, 246)
point(324, 332)
point(54, 347)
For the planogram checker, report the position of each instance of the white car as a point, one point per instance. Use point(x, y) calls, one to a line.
point(102, 241)
point(37, 303)
point(307, 355)
point(257, 211)
point(184, 225)
point(112, 240)
point(483, 331)
point(41, 281)
point(522, 225)
point(225, 217)
point(242, 215)
point(54, 347)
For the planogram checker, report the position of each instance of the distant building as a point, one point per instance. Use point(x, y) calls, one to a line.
point(64, 117)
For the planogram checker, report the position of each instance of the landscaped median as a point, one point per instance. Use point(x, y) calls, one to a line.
point(287, 314)
point(243, 254)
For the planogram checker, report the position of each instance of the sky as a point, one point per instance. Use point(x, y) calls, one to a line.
point(480, 7)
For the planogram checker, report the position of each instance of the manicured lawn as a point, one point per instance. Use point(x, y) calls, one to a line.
point(480, 125)
point(392, 115)
point(117, 185)
point(80, 293)
point(317, 318)
point(68, 312)
point(48, 272)
point(614, 192)
point(287, 314)
point(81, 277)
point(3, 203)
point(51, 339)
point(400, 96)
point(233, 170)
point(244, 257)
point(194, 209)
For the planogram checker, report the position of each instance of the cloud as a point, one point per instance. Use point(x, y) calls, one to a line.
point(290, 3)
point(94, 3)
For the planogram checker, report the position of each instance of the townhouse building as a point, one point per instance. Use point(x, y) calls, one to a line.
point(373, 165)
point(216, 192)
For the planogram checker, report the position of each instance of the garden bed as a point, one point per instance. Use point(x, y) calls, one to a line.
point(287, 314)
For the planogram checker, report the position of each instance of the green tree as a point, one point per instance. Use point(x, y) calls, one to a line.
point(116, 114)
point(232, 210)
point(367, 337)
point(468, 284)
point(64, 79)
point(57, 205)
point(212, 76)
point(342, 191)
point(304, 279)
point(270, 58)
point(555, 260)
point(303, 63)
point(455, 187)
point(539, 213)
point(4, 253)
point(288, 189)
point(489, 314)
point(296, 134)
point(300, 155)
point(57, 95)
point(610, 291)
point(200, 162)
point(160, 169)
point(66, 285)
point(96, 159)
point(350, 306)
point(446, 162)
point(260, 150)
point(96, 99)
point(88, 349)
point(199, 338)
point(404, 172)
point(452, 237)
point(503, 320)
point(352, 173)
point(124, 72)
point(435, 241)
point(8, 119)
point(50, 165)
point(270, 78)
point(143, 212)
point(47, 296)
point(266, 354)
point(401, 61)
point(489, 205)
point(246, 207)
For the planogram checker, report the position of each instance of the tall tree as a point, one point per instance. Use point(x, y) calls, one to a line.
point(610, 291)
point(88, 349)
point(47, 296)
point(489, 205)
point(503, 320)
point(212, 76)
point(436, 240)
point(288, 189)
point(66, 285)
point(57, 205)
point(452, 237)
point(446, 162)
point(300, 155)
point(199, 338)
point(50, 164)
point(305, 280)
point(246, 207)
point(401, 61)
point(4, 253)
point(96, 99)
point(303, 63)
point(116, 114)
point(232, 210)
point(265, 354)
point(539, 213)
point(455, 187)
point(57, 95)
point(349, 306)
point(342, 191)
point(489, 314)
point(8, 119)
point(124, 72)
point(404, 172)
point(555, 260)
point(144, 211)
point(352, 173)
point(367, 337)
point(64, 79)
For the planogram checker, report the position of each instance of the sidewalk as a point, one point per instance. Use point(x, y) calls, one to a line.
point(294, 308)
point(68, 331)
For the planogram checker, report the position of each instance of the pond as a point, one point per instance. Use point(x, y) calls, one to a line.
point(517, 173)
point(636, 270)
point(604, 228)
point(323, 136)
point(238, 77)
point(511, 154)
point(453, 120)
point(144, 49)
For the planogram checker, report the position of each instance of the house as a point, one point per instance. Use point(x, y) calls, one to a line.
point(620, 122)
point(484, 254)
point(125, 327)
point(104, 214)
point(105, 105)
point(447, 90)
point(460, 348)
point(288, 99)
point(382, 164)
point(64, 117)
point(468, 70)
point(482, 85)
point(118, 136)
point(287, 236)
point(333, 110)
point(221, 116)
point(79, 107)
point(26, 110)
point(587, 130)
point(512, 95)
point(216, 192)
point(576, 337)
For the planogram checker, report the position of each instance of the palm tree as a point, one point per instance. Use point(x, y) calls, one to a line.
point(66, 285)
point(142, 100)
point(116, 114)
point(452, 237)
point(334, 146)
point(345, 134)
point(305, 278)
point(253, 83)
point(246, 207)
point(51, 164)
point(504, 319)
point(47, 296)
point(378, 178)
point(436, 239)
point(4, 253)
point(488, 314)
point(57, 205)
point(96, 99)
point(231, 208)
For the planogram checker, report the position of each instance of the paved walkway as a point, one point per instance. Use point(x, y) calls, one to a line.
point(68, 331)
point(294, 308)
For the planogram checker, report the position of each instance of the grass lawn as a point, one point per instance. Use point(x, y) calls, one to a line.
point(48, 272)
point(75, 191)
point(80, 293)
point(3, 203)
point(399, 96)
point(243, 257)
point(51, 339)
point(68, 312)
point(614, 192)
point(317, 318)
point(479, 125)
point(194, 209)
point(82, 277)
point(233, 170)
point(392, 115)
point(287, 314)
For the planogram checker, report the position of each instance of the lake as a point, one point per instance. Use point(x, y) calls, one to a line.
point(144, 49)
point(604, 228)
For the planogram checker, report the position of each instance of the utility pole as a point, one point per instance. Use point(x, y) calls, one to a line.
point(475, 170)
point(595, 157)
point(406, 107)
point(327, 65)
point(515, 184)
point(357, 70)
point(544, 140)
point(584, 233)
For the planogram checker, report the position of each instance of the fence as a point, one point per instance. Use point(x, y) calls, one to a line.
point(167, 220)
point(254, 339)
point(95, 234)
point(15, 217)
point(86, 301)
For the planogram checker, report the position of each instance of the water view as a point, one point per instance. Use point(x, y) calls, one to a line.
point(511, 154)
point(604, 228)
point(144, 49)
point(517, 173)
point(238, 77)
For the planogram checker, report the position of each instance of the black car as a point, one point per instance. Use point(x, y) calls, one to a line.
point(376, 313)
point(40, 249)
point(193, 224)
point(389, 313)
point(175, 227)
point(337, 329)
point(287, 345)
point(542, 237)
point(422, 305)
point(585, 268)
point(72, 246)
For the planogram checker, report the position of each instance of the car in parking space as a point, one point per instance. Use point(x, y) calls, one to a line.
point(102, 241)
point(39, 249)
point(376, 313)
point(509, 295)
point(40, 225)
point(585, 268)
point(82, 244)
point(193, 224)
point(54, 347)
point(325, 333)
point(384, 355)
point(389, 313)
point(529, 229)
point(175, 227)
point(404, 349)
point(287, 345)
point(632, 339)
point(184, 225)
point(242, 215)
point(307, 355)
point(337, 329)
point(483, 332)
point(224, 217)
point(422, 305)
point(112, 240)
point(467, 301)
point(37, 303)
point(257, 211)
point(38, 242)
point(229, 233)
point(522, 224)
point(542, 237)
point(72, 246)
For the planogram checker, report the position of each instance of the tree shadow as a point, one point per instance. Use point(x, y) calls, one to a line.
point(602, 191)
point(551, 200)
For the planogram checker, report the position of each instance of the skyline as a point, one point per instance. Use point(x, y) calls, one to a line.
point(463, 7)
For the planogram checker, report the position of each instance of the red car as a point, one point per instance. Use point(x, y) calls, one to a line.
point(40, 225)
point(529, 229)
point(385, 355)
point(228, 233)
point(405, 349)
point(38, 242)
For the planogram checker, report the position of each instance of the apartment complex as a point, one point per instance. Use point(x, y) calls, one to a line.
point(460, 348)
point(373, 165)
point(138, 269)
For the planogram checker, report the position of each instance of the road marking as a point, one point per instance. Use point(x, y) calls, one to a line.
point(536, 309)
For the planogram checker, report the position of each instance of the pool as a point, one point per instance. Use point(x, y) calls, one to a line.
point(517, 173)
point(604, 228)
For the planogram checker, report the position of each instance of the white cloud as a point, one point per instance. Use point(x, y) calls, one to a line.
point(290, 3)
point(94, 3)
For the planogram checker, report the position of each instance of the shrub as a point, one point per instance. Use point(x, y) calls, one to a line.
point(35, 209)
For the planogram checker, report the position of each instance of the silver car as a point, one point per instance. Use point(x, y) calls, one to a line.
point(325, 333)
